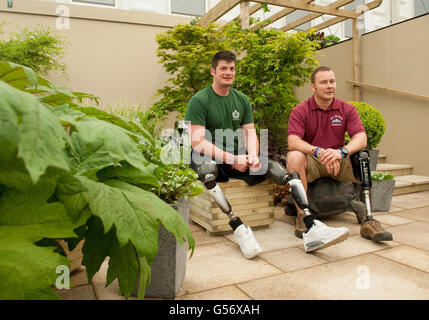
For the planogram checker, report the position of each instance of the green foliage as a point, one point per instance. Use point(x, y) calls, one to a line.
point(271, 63)
point(323, 41)
point(175, 178)
point(372, 121)
point(381, 176)
point(40, 49)
point(67, 174)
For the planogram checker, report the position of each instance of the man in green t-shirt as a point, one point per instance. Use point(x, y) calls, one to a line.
point(225, 145)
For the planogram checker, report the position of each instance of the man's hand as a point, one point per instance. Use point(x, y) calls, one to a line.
point(241, 163)
point(330, 159)
point(254, 163)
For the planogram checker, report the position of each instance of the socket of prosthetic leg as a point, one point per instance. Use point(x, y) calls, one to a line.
point(235, 223)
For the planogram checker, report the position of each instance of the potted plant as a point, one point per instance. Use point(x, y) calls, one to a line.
point(374, 125)
point(383, 185)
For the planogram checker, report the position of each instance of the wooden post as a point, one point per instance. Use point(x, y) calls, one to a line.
point(357, 59)
point(244, 14)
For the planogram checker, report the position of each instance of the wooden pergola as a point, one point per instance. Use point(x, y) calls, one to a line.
point(314, 11)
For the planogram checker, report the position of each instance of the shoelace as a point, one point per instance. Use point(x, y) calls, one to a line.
point(376, 225)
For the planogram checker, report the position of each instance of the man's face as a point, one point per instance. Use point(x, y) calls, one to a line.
point(224, 73)
point(324, 85)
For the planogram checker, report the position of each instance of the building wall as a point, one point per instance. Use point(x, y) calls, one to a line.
point(395, 58)
point(112, 52)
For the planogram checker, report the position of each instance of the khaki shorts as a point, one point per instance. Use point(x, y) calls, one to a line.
point(316, 170)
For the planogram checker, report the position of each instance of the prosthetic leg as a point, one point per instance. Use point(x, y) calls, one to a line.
point(207, 173)
point(370, 228)
point(318, 235)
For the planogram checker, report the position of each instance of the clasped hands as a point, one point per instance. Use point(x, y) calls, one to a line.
point(243, 162)
point(330, 158)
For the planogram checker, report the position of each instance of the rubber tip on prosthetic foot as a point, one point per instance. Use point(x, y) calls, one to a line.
point(235, 223)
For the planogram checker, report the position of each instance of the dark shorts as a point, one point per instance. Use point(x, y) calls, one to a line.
point(225, 171)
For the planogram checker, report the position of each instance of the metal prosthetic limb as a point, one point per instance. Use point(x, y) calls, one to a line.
point(207, 173)
point(362, 171)
point(280, 176)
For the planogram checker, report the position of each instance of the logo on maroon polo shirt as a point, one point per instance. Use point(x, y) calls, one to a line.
point(336, 121)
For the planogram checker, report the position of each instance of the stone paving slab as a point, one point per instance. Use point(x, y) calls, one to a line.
point(85, 292)
point(225, 293)
point(411, 201)
point(202, 238)
point(420, 214)
point(221, 264)
point(393, 220)
point(292, 259)
point(413, 257)
point(412, 234)
point(364, 277)
point(353, 246)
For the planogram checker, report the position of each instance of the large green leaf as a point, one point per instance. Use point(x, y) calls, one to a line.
point(28, 271)
point(99, 144)
point(136, 214)
point(41, 138)
point(130, 174)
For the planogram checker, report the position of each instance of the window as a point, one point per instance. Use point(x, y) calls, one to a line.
point(188, 7)
point(103, 2)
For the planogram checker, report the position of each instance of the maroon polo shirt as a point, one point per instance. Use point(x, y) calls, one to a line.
point(324, 128)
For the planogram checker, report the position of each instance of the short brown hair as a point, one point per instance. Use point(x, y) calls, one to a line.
point(225, 55)
point(320, 69)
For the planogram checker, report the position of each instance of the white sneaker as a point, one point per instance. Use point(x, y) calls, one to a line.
point(248, 244)
point(321, 236)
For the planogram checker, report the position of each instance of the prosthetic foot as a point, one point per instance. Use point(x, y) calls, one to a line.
point(207, 173)
point(316, 235)
point(370, 228)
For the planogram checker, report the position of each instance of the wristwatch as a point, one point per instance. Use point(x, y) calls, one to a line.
point(344, 152)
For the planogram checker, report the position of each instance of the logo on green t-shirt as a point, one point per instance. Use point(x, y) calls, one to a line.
point(236, 115)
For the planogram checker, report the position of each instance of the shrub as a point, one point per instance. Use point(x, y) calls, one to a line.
point(381, 176)
point(372, 121)
point(40, 49)
point(270, 64)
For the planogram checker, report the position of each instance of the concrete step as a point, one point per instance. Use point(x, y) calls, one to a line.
point(381, 158)
point(395, 169)
point(410, 183)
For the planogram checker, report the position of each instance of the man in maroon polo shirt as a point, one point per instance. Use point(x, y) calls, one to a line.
point(316, 143)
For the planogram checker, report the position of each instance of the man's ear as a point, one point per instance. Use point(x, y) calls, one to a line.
point(212, 71)
point(313, 87)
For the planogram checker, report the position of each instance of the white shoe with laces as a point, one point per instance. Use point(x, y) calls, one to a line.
point(321, 236)
point(248, 244)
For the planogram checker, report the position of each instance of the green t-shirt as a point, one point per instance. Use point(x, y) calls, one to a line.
point(221, 116)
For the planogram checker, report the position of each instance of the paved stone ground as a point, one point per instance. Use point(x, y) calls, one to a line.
point(354, 269)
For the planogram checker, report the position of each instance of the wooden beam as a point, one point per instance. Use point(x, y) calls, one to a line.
point(311, 16)
point(274, 17)
point(328, 23)
point(252, 10)
point(218, 11)
point(357, 59)
point(388, 90)
point(244, 14)
point(310, 7)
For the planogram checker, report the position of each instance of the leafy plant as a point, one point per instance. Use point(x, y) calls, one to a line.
point(372, 121)
point(40, 49)
point(381, 176)
point(66, 174)
point(271, 63)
